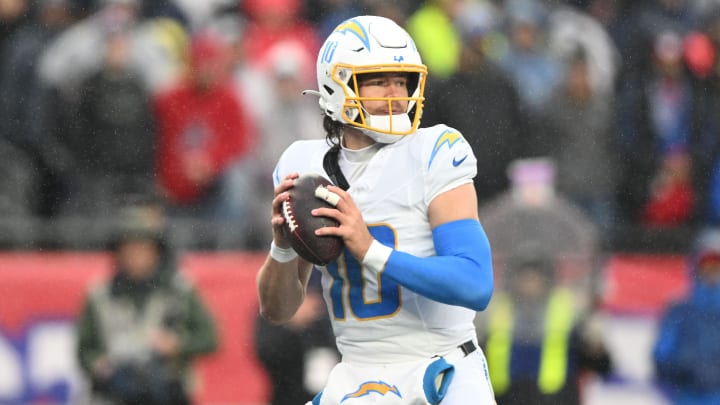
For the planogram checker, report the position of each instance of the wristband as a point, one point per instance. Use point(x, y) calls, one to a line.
point(281, 255)
point(377, 256)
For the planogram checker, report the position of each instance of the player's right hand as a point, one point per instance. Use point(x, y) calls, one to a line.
point(352, 229)
point(277, 219)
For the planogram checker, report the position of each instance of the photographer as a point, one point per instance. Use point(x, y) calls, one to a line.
point(140, 331)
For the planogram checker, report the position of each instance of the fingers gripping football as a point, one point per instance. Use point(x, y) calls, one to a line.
point(309, 192)
point(352, 227)
point(277, 221)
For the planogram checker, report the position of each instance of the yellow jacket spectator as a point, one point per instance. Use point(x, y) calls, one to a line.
point(439, 46)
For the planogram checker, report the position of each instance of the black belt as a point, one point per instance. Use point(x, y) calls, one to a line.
point(465, 348)
point(468, 347)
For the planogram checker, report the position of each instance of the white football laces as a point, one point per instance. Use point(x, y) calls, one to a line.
point(288, 215)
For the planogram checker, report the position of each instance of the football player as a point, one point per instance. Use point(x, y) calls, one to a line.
point(417, 263)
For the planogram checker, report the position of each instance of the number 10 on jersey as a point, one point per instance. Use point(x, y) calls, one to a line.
point(352, 294)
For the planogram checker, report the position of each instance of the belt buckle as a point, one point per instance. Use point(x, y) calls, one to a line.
point(460, 351)
point(467, 347)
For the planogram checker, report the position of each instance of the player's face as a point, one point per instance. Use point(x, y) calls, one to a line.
point(383, 85)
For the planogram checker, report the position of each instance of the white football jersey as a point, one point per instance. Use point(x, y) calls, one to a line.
point(374, 318)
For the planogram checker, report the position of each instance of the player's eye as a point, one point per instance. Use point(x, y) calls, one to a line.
point(376, 82)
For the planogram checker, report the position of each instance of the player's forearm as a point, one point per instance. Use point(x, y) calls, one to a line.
point(280, 290)
point(450, 280)
point(461, 273)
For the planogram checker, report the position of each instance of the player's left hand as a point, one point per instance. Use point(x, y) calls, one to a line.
point(352, 229)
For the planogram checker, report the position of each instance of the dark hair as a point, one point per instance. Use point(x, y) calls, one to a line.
point(333, 130)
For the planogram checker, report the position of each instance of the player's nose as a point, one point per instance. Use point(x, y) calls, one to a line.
point(396, 90)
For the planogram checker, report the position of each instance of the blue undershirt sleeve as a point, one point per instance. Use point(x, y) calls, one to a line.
point(461, 273)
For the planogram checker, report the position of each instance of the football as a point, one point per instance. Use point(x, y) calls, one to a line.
point(309, 192)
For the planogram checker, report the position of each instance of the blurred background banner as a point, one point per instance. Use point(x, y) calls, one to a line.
point(42, 295)
point(642, 284)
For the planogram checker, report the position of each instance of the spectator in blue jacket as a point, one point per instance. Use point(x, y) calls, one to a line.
point(687, 354)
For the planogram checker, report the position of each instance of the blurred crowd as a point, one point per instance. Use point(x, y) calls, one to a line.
point(602, 110)
point(191, 103)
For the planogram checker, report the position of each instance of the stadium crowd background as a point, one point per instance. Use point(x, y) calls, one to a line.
point(188, 103)
point(191, 102)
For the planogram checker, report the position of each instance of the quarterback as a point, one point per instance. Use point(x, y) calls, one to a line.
point(417, 264)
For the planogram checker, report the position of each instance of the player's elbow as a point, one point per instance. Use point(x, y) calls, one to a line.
point(276, 310)
point(481, 290)
point(276, 316)
point(478, 297)
point(482, 298)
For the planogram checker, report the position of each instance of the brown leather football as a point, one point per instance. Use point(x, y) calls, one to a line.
point(309, 192)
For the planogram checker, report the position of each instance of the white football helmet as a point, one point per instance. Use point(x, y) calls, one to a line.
point(370, 44)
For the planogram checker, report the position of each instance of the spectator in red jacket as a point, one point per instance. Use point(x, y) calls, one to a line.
point(672, 197)
point(202, 130)
point(277, 21)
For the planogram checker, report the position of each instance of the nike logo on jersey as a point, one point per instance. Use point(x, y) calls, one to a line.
point(457, 163)
point(447, 137)
point(379, 387)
